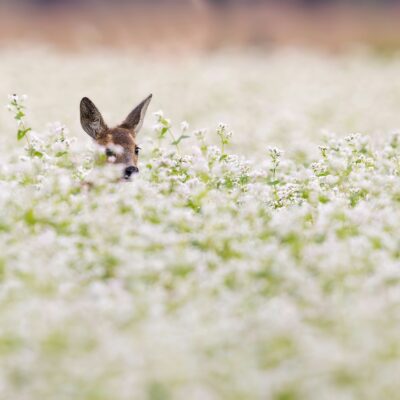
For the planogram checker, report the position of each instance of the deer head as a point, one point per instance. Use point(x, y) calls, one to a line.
point(122, 137)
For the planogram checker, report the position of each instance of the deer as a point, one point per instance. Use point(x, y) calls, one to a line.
point(122, 137)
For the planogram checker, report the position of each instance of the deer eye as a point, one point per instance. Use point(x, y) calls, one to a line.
point(110, 153)
point(137, 149)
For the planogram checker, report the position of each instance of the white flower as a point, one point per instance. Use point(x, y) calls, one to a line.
point(184, 126)
point(159, 114)
point(58, 147)
point(222, 126)
point(116, 148)
point(157, 127)
point(200, 134)
point(274, 151)
point(13, 97)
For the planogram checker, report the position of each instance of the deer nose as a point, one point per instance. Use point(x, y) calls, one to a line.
point(129, 171)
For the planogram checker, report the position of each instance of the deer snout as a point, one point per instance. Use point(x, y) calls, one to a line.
point(130, 170)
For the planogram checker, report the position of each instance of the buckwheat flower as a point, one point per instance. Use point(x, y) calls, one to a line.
point(64, 183)
point(200, 134)
point(338, 164)
point(58, 147)
point(275, 152)
point(331, 179)
point(157, 127)
point(58, 128)
point(25, 167)
point(196, 151)
point(159, 114)
point(213, 152)
point(184, 126)
point(200, 165)
point(222, 126)
point(116, 148)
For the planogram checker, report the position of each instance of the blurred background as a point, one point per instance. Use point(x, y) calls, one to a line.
point(181, 25)
point(279, 72)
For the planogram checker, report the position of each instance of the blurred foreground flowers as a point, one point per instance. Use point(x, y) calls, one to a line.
point(209, 276)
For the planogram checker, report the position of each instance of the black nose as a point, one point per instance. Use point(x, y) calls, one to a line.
point(129, 171)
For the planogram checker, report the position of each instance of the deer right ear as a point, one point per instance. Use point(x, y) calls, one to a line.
point(91, 120)
point(134, 120)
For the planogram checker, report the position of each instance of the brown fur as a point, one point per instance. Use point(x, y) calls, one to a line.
point(123, 135)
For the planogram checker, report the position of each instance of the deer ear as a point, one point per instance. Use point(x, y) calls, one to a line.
point(91, 120)
point(134, 120)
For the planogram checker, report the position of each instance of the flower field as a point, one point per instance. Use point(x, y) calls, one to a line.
point(263, 264)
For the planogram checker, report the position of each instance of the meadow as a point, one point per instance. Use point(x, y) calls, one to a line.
point(255, 256)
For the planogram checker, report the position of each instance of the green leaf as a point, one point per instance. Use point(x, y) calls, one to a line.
point(164, 122)
point(177, 141)
point(37, 154)
point(274, 182)
point(19, 115)
point(30, 218)
point(163, 132)
point(22, 133)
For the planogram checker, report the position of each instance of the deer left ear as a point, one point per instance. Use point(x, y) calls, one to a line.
point(91, 120)
point(134, 120)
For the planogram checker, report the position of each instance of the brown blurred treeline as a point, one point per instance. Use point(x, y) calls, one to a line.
point(113, 3)
point(185, 25)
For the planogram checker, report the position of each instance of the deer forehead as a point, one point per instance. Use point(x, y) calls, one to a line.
point(119, 136)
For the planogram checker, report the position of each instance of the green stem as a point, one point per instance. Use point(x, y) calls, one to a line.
point(174, 140)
